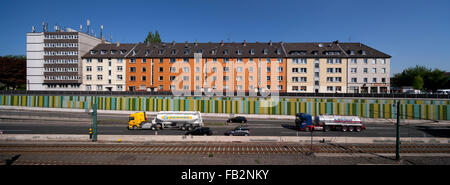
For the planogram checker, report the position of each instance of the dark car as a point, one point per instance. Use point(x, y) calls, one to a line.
point(200, 131)
point(238, 119)
point(238, 131)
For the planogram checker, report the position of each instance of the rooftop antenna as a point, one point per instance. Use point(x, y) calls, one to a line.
point(110, 37)
point(88, 23)
point(101, 31)
point(81, 27)
point(33, 29)
point(43, 26)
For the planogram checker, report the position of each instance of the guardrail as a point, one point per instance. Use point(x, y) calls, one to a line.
point(225, 94)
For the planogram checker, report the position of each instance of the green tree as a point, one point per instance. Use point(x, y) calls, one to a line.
point(149, 37)
point(156, 38)
point(153, 38)
point(418, 82)
point(432, 79)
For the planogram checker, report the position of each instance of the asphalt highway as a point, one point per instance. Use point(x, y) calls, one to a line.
point(113, 124)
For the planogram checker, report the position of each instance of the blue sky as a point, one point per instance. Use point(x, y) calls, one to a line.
point(413, 32)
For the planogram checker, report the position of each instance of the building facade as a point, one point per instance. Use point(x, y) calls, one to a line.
point(54, 59)
point(238, 67)
point(106, 67)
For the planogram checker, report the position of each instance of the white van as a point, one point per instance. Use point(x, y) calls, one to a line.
point(185, 120)
point(443, 91)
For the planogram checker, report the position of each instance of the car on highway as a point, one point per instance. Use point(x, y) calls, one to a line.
point(238, 131)
point(237, 119)
point(200, 131)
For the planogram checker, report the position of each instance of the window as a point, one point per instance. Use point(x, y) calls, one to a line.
point(338, 70)
point(197, 69)
point(88, 68)
point(353, 70)
point(225, 52)
point(338, 61)
point(142, 87)
point(132, 60)
point(161, 69)
point(144, 69)
point(329, 88)
point(268, 78)
point(119, 68)
point(226, 78)
point(100, 60)
point(365, 70)
point(239, 78)
point(329, 70)
point(186, 60)
point(144, 60)
point(226, 69)
point(99, 68)
point(160, 60)
point(265, 51)
point(365, 61)
point(239, 60)
point(365, 80)
point(383, 61)
point(172, 60)
point(354, 61)
point(280, 69)
point(119, 87)
point(374, 80)
point(119, 77)
point(295, 70)
point(133, 78)
point(374, 61)
point(88, 87)
point(338, 88)
point(173, 69)
point(172, 78)
point(186, 78)
point(374, 70)
point(186, 51)
point(329, 61)
point(252, 51)
point(144, 78)
point(354, 80)
point(99, 87)
point(383, 70)
point(279, 60)
point(279, 87)
point(132, 69)
point(88, 77)
point(99, 77)
point(383, 80)
point(185, 69)
point(329, 79)
point(338, 79)
point(280, 78)
point(88, 60)
point(161, 78)
point(294, 88)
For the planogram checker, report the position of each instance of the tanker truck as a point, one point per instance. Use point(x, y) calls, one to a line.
point(328, 122)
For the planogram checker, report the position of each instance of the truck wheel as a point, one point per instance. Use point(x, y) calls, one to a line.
point(307, 129)
point(344, 129)
point(189, 128)
point(135, 127)
point(351, 129)
point(246, 134)
point(183, 128)
point(358, 129)
point(326, 128)
point(159, 126)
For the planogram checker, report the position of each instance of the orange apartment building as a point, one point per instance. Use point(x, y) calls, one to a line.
point(218, 67)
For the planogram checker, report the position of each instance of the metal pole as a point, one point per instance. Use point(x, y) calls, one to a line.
point(397, 143)
point(94, 123)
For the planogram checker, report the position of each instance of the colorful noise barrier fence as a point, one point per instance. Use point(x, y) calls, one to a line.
point(368, 108)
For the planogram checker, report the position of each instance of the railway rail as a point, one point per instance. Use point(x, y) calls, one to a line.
point(234, 148)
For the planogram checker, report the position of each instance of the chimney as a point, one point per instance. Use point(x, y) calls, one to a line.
point(245, 43)
point(270, 43)
point(118, 44)
point(196, 43)
point(173, 42)
point(221, 42)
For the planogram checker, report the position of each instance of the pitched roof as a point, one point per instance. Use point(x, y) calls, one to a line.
point(244, 49)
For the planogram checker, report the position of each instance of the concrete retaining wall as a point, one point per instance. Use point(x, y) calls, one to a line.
point(5, 138)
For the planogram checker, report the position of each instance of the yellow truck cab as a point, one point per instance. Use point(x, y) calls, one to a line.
point(135, 120)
